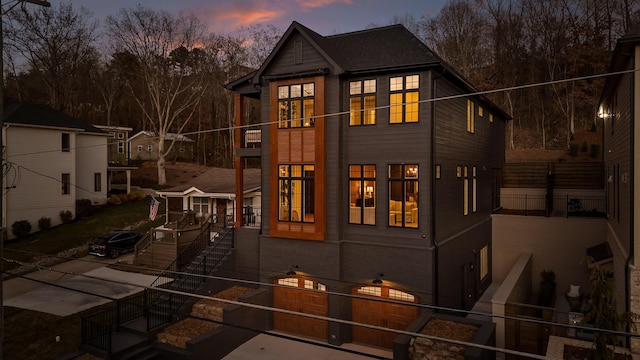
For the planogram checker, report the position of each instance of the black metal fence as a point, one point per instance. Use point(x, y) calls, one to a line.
point(201, 257)
point(252, 216)
point(556, 205)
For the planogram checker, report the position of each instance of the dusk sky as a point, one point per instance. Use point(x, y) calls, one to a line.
point(326, 17)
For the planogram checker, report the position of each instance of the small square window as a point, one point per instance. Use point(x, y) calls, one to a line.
point(395, 83)
point(369, 86)
point(413, 82)
point(354, 87)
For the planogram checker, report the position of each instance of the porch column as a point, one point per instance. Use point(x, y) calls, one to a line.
point(239, 163)
point(128, 181)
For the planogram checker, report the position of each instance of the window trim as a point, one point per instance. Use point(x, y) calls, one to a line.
point(369, 195)
point(287, 179)
point(409, 178)
point(305, 102)
point(408, 86)
point(366, 90)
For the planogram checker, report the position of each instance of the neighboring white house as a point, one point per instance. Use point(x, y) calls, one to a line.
point(52, 160)
point(213, 193)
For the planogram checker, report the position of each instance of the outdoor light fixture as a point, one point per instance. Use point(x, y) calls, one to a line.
point(377, 280)
point(292, 272)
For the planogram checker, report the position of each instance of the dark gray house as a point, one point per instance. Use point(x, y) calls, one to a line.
point(619, 106)
point(379, 170)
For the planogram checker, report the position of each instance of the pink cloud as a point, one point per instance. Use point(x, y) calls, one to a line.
point(229, 16)
point(308, 5)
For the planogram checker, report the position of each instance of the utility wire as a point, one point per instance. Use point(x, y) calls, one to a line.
point(340, 113)
point(351, 296)
point(290, 312)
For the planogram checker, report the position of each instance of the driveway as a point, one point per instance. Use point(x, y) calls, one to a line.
point(70, 292)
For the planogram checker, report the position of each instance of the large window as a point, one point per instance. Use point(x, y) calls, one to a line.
point(201, 205)
point(296, 105)
point(296, 193)
point(403, 195)
point(362, 102)
point(403, 99)
point(66, 142)
point(362, 194)
point(66, 184)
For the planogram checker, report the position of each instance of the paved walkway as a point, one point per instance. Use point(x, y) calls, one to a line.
point(267, 347)
point(60, 298)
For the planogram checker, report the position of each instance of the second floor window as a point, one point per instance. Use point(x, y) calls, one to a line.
point(362, 194)
point(296, 193)
point(120, 147)
point(403, 99)
point(66, 142)
point(362, 102)
point(149, 148)
point(403, 195)
point(139, 148)
point(296, 105)
point(471, 117)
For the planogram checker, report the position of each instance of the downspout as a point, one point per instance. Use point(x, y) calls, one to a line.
point(631, 180)
point(433, 191)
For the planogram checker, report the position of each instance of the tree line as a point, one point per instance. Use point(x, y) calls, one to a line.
point(153, 70)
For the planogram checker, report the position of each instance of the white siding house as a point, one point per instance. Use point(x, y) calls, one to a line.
point(52, 160)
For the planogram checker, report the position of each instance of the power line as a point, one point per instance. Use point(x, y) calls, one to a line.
point(347, 295)
point(290, 312)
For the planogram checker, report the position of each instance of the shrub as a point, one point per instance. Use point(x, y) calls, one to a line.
point(595, 151)
point(66, 216)
point(573, 149)
point(21, 228)
point(114, 200)
point(83, 207)
point(44, 223)
point(584, 147)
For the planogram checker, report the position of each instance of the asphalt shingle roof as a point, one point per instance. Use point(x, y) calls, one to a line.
point(44, 116)
point(220, 180)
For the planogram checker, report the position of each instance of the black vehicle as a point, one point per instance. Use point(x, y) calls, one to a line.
point(114, 243)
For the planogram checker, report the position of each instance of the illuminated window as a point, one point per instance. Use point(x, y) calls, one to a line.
point(296, 105)
point(471, 121)
point(400, 295)
point(403, 99)
point(296, 193)
point(459, 172)
point(362, 194)
point(480, 111)
point(403, 195)
point(288, 282)
point(437, 171)
point(370, 290)
point(490, 117)
point(362, 102)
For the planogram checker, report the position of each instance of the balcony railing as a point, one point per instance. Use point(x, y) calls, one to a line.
point(252, 138)
point(251, 216)
point(557, 205)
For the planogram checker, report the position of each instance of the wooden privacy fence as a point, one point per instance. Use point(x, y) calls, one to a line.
point(565, 175)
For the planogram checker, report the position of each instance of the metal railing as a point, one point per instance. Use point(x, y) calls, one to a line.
point(201, 257)
point(251, 216)
point(557, 205)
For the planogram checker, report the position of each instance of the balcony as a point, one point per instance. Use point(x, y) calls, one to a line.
point(251, 216)
point(251, 143)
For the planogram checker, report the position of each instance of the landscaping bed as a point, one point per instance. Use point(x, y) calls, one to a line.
point(206, 316)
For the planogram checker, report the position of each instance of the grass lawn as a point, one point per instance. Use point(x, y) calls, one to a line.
point(133, 214)
point(31, 334)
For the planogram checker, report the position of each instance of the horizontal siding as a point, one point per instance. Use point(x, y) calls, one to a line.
point(37, 167)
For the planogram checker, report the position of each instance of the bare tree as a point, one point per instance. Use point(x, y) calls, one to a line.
point(57, 43)
point(165, 48)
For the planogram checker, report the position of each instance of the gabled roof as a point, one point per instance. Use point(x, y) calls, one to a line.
point(167, 136)
point(42, 116)
point(621, 56)
point(219, 181)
